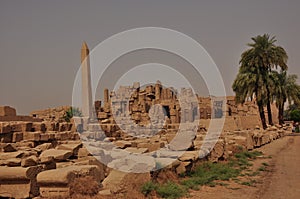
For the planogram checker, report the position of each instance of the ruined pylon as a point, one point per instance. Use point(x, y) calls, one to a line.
point(87, 102)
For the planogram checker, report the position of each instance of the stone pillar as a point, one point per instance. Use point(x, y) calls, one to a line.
point(157, 90)
point(173, 116)
point(106, 95)
point(87, 104)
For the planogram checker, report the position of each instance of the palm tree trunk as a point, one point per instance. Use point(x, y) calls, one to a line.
point(280, 113)
point(269, 108)
point(269, 114)
point(262, 114)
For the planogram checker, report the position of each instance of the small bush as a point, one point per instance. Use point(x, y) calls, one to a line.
point(248, 183)
point(262, 168)
point(255, 173)
point(71, 112)
point(148, 187)
point(171, 190)
point(265, 164)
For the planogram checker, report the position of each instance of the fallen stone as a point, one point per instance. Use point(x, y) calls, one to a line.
point(16, 154)
point(25, 143)
point(58, 155)
point(12, 162)
point(54, 183)
point(182, 141)
point(44, 147)
point(18, 182)
point(9, 148)
point(183, 167)
point(168, 163)
point(217, 151)
point(83, 152)
point(189, 156)
point(137, 150)
point(118, 182)
point(70, 147)
point(133, 163)
point(29, 161)
point(48, 162)
point(122, 144)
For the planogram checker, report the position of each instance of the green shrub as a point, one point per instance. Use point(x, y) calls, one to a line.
point(148, 187)
point(171, 190)
point(295, 115)
point(206, 173)
point(71, 112)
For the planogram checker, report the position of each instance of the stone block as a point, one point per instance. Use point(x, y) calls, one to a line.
point(137, 150)
point(74, 148)
point(44, 147)
point(29, 161)
point(117, 181)
point(58, 155)
point(9, 148)
point(55, 183)
point(32, 136)
point(12, 162)
point(183, 167)
point(45, 137)
point(39, 126)
point(18, 182)
point(217, 151)
point(7, 111)
point(151, 146)
point(25, 143)
point(16, 126)
point(122, 144)
point(6, 137)
point(52, 126)
point(83, 152)
point(21, 126)
point(189, 156)
point(17, 137)
point(16, 154)
point(5, 127)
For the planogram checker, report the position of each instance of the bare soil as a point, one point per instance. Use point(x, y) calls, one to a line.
point(279, 180)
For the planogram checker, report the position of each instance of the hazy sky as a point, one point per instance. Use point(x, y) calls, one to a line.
point(40, 41)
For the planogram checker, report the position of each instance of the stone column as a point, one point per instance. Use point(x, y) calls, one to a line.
point(157, 90)
point(87, 104)
point(106, 95)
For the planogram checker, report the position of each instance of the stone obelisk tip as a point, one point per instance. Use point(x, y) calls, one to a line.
point(84, 46)
point(84, 51)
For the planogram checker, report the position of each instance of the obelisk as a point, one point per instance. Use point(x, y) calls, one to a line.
point(87, 102)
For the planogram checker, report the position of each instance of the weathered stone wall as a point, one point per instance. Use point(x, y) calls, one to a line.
point(51, 114)
point(7, 111)
point(237, 116)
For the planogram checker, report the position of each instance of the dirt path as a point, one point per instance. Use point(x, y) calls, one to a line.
point(281, 180)
point(284, 181)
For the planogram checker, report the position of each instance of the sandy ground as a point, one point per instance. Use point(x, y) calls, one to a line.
point(281, 180)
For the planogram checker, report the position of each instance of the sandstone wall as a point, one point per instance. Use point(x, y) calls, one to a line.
point(7, 111)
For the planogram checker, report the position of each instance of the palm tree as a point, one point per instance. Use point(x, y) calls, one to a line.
point(265, 55)
point(286, 89)
point(249, 84)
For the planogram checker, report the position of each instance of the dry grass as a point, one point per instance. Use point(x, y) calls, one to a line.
point(84, 186)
